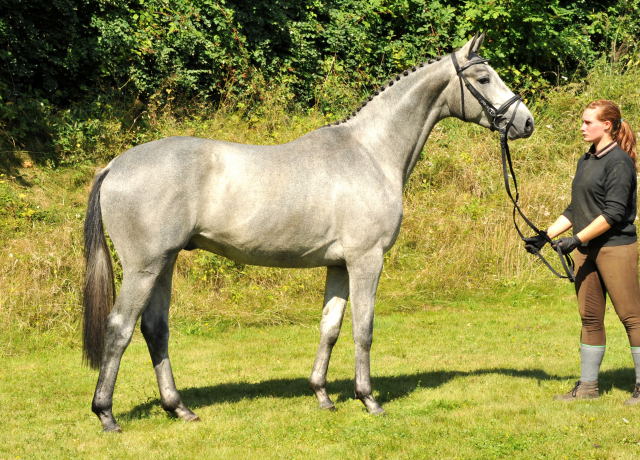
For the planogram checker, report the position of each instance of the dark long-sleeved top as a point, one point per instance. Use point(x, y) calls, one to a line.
point(605, 185)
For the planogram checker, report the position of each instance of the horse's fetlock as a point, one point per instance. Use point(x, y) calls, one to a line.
point(363, 393)
point(171, 404)
point(316, 384)
point(100, 408)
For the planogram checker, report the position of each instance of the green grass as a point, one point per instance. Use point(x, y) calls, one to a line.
point(466, 380)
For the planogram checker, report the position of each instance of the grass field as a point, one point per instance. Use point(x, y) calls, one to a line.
point(471, 379)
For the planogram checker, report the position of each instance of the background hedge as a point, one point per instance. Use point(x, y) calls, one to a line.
point(67, 65)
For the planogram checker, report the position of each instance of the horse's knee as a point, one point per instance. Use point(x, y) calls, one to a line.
point(330, 335)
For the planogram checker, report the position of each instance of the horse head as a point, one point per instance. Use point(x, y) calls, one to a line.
point(476, 93)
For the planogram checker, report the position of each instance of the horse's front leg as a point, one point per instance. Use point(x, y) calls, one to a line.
point(364, 273)
point(335, 301)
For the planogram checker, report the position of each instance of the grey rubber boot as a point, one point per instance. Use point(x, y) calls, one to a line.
point(581, 390)
point(635, 397)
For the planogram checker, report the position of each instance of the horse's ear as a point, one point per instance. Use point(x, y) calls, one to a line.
point(476, 43)
point(472, 46)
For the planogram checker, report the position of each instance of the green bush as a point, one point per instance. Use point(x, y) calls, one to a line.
point(58, 57)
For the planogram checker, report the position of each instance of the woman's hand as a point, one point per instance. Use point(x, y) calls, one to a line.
point(533, 244)
point(567, 244)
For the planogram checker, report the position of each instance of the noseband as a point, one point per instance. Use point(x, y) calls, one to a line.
point(498, 122)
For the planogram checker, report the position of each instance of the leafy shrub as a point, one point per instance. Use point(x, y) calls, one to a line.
point(58, 57)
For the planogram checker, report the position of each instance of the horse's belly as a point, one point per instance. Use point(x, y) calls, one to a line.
point(274, 255)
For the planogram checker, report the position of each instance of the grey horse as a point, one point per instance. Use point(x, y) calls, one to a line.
point(332, 197)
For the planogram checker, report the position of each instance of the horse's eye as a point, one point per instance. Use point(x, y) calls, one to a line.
point(483, 80)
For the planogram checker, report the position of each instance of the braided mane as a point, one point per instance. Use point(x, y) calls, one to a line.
point(384, 87)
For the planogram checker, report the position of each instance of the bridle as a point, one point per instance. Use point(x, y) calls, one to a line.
point(498, 122)
point(495, 116)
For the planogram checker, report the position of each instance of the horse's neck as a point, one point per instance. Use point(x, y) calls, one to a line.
point(394, 126)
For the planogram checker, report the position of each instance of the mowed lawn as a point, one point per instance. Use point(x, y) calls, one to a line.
point(469, 379)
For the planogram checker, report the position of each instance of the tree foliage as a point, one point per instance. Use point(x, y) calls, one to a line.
point(58, 54)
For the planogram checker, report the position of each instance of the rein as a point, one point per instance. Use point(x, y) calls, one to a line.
point(496, 119)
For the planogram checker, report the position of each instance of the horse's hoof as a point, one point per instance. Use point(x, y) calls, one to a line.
point(184, 413)
point(109, 424)
point(372, 405)
point(191, 418)
point(115, 428)
point(328, 406)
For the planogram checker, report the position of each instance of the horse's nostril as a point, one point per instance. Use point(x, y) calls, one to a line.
point(528, 126)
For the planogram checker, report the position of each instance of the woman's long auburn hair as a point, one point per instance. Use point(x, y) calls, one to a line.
point(621, 131)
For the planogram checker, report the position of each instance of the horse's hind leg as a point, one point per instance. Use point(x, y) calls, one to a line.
point(155, 329)
point(135, 293)
point(335, 301)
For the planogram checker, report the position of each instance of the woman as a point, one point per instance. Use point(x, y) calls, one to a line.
point(602, 214)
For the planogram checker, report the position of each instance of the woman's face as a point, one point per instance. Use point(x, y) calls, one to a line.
point(593, 129)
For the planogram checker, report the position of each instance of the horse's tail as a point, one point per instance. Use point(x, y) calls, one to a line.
point(99, 288)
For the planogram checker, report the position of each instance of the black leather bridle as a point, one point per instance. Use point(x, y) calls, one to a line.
point(498, 122)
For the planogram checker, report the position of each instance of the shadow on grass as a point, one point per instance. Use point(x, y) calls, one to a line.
point(623, 379)
point(389, 388)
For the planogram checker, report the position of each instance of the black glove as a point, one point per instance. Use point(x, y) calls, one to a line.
point(567, 244)
point(533, 244)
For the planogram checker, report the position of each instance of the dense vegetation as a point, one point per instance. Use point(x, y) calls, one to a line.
point(75, 71)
